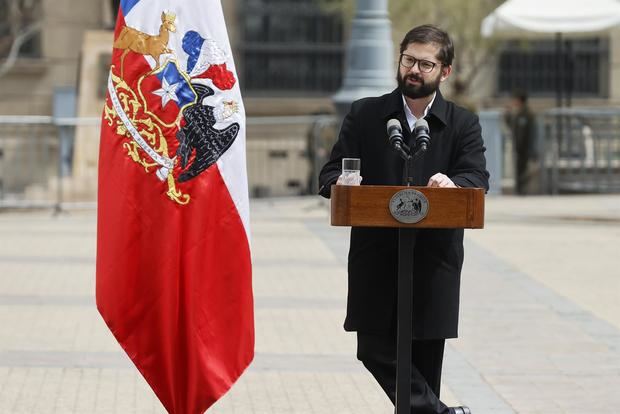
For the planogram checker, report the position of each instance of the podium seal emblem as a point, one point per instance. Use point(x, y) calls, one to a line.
point(409, 206)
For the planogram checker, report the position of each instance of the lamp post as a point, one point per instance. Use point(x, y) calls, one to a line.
point(370, 56)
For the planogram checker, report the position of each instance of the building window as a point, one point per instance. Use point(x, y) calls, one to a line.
point(17, 21)
point(290, 46)
point(532, 67)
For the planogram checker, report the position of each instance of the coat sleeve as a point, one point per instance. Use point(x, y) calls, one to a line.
point(347, 146)
point(469, 164)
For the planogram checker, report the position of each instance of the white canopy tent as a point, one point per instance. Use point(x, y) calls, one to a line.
point(533, 18)
point(553, 18)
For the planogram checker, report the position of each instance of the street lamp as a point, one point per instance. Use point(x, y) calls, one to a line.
point(370, 56)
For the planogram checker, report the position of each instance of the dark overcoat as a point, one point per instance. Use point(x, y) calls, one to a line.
point(456, 150)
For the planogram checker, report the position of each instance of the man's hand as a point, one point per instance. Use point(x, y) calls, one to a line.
point(441, 180)
point(349, 179)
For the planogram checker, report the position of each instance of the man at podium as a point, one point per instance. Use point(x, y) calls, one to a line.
point(454, 158)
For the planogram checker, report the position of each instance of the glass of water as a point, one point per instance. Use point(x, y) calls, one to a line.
point(351, 168)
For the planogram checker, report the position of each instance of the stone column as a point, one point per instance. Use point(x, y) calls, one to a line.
point(370, 68)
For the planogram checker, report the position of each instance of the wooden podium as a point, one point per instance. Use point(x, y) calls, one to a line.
point(406, 208)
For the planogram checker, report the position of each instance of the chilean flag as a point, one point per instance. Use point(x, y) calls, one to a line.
point(173, 238)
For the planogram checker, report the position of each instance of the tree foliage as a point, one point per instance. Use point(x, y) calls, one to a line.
point(461, 19)
point(20, 20)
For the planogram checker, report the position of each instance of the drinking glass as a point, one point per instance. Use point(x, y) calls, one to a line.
point(350, 172)
point(351, 166)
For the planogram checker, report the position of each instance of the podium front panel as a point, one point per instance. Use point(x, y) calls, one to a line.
point(369, 206)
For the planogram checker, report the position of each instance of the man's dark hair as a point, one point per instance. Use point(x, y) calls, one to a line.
point(431, 34)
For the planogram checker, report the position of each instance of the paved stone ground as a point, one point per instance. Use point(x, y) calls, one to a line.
point(540, 323)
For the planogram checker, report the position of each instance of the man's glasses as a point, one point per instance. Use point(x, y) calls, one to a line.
point(425, 66)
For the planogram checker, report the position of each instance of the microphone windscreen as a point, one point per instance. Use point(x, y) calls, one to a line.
point(393, 123)
point(421, 123)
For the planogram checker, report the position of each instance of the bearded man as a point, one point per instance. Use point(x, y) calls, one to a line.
point(455, 158)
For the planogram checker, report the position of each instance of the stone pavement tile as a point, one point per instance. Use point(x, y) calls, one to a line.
point(47, 394)
point(105, 390)
point(468, 387)
point(133, 394)
point(302, 331)
point(306, 281)
point(528, 344)
point(45, 239)
point(523, 348)
point(566, 243)
point(11, 389)
point(53, 328)
point(31, 390)
point(304, 392)
point(86, 393)
point(69, 386)
point(44, 279)
point(52, 339)
point(545, 259)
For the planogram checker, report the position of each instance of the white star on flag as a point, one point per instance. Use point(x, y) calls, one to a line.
point(167, 92)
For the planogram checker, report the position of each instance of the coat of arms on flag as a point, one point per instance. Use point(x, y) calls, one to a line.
point(150, 104)
point(173, 253)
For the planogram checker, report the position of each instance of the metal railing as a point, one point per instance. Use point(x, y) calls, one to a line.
point(581, 150)
point(285, 154)
point(36, 161)
point(48, 162)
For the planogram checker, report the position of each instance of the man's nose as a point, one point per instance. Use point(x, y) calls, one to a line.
point(415, 68)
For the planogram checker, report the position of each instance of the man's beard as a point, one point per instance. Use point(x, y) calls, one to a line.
point(422, 90)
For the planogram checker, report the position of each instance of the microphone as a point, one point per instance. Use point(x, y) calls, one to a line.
point(395, 138)
point(422, 137)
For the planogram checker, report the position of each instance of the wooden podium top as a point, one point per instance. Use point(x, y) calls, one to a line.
point(368, 206)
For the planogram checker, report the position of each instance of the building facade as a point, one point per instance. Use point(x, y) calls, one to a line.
point(290, 58)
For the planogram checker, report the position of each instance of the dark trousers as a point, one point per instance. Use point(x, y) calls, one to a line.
point(378, 353)
point(522, 174)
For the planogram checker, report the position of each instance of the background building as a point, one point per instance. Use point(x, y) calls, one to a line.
point(290, 58)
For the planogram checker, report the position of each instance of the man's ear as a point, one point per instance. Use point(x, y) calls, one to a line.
point(445, 72)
